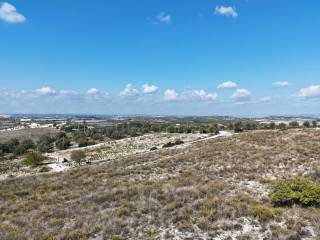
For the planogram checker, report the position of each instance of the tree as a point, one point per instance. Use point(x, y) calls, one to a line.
point(20, 149)
point(231, 126)
point(294, 124)
point(33, 159)
point(282, 126)
point(314, 123)
point(27, 143)
point(214, 129)
point(45, 144)
point(272, 125)
point(78, 156)
point(12, 144)
point(306, 124)
point(251, 125)
point(171, 129)
point(63, 143)
point(238, 127)
point(97, 136)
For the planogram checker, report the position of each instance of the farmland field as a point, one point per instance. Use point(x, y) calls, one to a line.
point(31, 133)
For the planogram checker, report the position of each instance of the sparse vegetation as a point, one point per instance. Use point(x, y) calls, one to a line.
point(33, 159)
point(265, 213)
point(171, 144)
point(215, 188)
point(78, 156)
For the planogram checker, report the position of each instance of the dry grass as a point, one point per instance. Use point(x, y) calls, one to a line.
point(211, 190)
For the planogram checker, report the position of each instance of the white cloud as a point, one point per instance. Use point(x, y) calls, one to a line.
point(170, 95)
point(203, 96)
point(149, 89)
point(281, 84)
point(190, 95)
point(228, 84)
point(93, 91)
point(8, 13)
point(226, 11)
point(68, 92)
point(265, 99)
point(45, 91)
point(310, 92)
point(129, 91)
point(241, 95)
point(164, 17)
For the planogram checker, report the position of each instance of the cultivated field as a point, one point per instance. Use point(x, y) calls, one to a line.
point(213, 189)
point(29, 133)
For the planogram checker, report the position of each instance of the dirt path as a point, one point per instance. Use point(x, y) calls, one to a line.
point(59, 166)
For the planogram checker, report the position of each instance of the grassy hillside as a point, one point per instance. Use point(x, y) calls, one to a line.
point(209, 190)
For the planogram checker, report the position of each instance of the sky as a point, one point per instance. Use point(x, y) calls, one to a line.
point(167, 57)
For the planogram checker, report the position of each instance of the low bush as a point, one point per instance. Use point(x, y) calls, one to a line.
point(171, 144)
point(265, 213)
point(33, 159)
point(315, 174)
point(78, 156)
point(86, 142)
point(45, 169)
point(301, 191)
point(168, 145)
point(178, 142)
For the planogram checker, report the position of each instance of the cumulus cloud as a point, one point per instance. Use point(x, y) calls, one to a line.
point(149, 89)
point(281, 84)
point(241, 95)
point(201, 95)
point(129, 91)
point(228, 84)
point(9, 14)
point(47, 95)
point(93, 91)
point(310, 92)
point(45, 91)
point(68, 92)
point(226, 11)
point(163, 17)
point(170, 95)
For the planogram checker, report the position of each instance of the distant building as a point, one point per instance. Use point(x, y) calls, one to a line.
point(25, 120)
point(34, 125)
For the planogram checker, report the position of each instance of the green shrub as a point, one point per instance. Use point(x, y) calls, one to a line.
point(171, 144)
point(264, 213)
point(167, 145)
point(45, 169)
point(33, 159)
point(63, 143)
point(299, 191)
point(178, 142)
point(78, 156)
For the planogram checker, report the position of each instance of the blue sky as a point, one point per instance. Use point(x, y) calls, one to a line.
point(235, 57)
